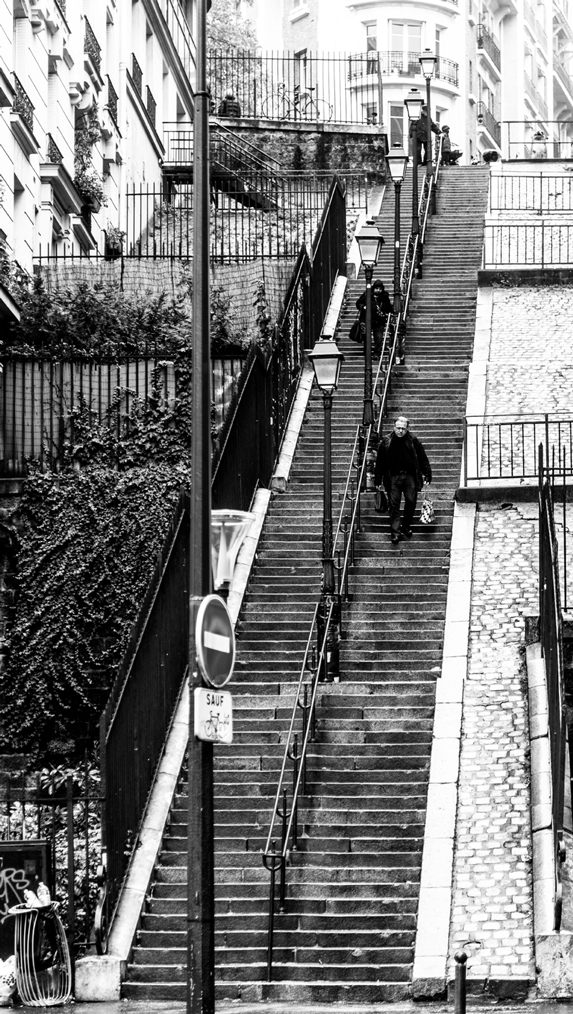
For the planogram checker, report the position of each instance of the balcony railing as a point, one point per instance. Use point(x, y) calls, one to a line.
point(529, 14)
point(180, 32)
point(340, 88)
point(136, 75)
point(54, 153)
point(564, 77)
point(92, 46)
point(150, 104)
point(488, 120)
point(22, 105)
point(112, 101)
point(487, 42)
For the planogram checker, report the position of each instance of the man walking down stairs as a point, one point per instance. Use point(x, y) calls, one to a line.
point(348, 930)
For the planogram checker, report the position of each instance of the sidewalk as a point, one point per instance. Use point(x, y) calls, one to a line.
point(149, 1007)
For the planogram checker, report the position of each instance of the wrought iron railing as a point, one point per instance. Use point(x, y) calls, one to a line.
point(112, 101)
point(23, 105)
point(540, 193)
point(503, 448)
point(254, 214)
point(328, 619)
point(173, 14)
point(557, 134)
point(551, 638)
point(40, 396)
point(486, 41)
point(56, 816)
point(563, 75)
point(54, 153)
point(341, 88)
point(136, 75)
point(92, 46)
point(150, 105)
point(488, 120)
point(527, 245)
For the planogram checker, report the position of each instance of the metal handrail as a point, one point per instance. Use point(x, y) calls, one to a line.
point(275, 860)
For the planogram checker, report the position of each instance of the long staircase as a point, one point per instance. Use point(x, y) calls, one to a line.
point(352, 886)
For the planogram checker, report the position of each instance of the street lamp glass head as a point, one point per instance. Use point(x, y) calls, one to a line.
point(414, 103)
point(427, 62)
point(397, 160)
point(326, 359)
point(370, 243)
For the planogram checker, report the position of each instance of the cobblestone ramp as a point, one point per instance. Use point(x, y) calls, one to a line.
point(349, 928)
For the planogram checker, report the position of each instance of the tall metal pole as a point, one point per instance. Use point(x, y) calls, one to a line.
point(415, 195)
point(368, 412)
point(429, 149)
point(200, 861)
point(327, 557)
point(397, 292)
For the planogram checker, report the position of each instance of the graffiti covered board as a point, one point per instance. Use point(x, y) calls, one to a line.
point(23, 864)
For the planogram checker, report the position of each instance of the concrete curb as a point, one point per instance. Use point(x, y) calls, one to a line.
point(429, 977)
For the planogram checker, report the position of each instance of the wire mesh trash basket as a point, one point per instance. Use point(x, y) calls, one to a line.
point(43, 966)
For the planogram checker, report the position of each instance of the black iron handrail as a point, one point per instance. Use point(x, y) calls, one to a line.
point(285, 818)
point(551, 638)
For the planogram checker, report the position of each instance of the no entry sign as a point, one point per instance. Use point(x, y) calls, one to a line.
point(215, 641)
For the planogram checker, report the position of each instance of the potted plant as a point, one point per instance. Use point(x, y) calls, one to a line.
point(114, 237)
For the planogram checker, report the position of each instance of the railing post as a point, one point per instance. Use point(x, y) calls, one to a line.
point(270, 932)
point(71, 864)
point(460, 983)
point(465, 451)
point(282, 894)
point(547, 438)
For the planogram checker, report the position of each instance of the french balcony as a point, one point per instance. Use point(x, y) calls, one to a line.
point(92, 56)
point(22, 119)
point(136, 75)
point(150, 105)
point(53, 172)
point(488, 123)
point(487, 44)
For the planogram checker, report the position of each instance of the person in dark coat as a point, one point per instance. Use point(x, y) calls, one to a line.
point(229, 106)
point(381, 307)
point(450, 153)
point(402, 466)
point(419, 131)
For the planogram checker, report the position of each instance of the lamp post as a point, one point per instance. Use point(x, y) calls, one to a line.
point(326, 360)
point(414, 103)
point(200, 861)
point(397, 160)
point(428, 62)
point(369, 243)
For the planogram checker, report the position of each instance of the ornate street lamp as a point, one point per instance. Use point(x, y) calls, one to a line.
point(228, 532)
point(370, 243)
point(326, 360)
point(397, 160)
point(428, 63)
point(414, 103)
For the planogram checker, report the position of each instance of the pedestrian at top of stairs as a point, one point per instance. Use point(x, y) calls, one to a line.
point(230, 106)
point(381, 307)
point(402, 467)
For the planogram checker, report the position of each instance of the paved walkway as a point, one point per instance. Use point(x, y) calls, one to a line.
point(139, 1007)
point(530, 370)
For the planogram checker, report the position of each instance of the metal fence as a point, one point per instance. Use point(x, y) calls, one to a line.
point(551, 637)
point(540, 193)
point(261, 216)
point(506, 448)
point(62, 820)
point(41, 397)
point(527, 245)
point(519, 138)
point(313, 87)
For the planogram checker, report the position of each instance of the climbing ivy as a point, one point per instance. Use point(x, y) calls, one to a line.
point(88, 541)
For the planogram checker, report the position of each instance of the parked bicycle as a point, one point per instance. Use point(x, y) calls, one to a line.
point(300, 105)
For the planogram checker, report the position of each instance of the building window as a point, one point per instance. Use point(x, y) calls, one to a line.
point(471, 77)
point(437, 42)
point(371, 48)
point(406, 46)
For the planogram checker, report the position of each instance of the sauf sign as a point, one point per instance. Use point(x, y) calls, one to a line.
point(215, 641)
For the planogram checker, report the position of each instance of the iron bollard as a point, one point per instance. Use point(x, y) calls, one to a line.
point(460, 984)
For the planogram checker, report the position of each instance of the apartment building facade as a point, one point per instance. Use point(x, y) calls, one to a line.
point(503, 71)
point(85, 90)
